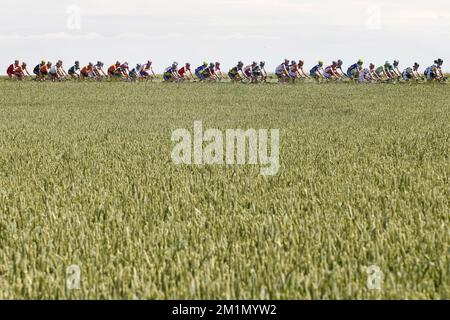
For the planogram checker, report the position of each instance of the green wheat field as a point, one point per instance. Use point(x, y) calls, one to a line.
point(86, 179)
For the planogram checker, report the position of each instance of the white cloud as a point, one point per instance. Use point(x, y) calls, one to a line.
point(143, 36)
point(242, 36)
point(51, 36)
point(89, 36)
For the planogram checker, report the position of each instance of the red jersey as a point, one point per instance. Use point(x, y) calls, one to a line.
point(18, 70)
point(112, 69)
point(86, 70)
point(183, 70)
point(10, 70)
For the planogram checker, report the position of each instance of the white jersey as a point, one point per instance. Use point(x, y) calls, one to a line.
point(327, 73)
point(293, 71)
point(280, 69)
point(364, 75)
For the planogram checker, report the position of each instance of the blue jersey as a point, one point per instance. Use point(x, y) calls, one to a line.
point(431, 71)
point(353, 66)
point(200, 69)
point(315, 69)
point(256, 69)
point(170, 70)
point(207, 71)
point(37, 69)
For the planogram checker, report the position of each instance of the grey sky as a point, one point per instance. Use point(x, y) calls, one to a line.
point(225, 30)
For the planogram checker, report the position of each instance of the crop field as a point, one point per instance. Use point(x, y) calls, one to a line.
point(87, 179)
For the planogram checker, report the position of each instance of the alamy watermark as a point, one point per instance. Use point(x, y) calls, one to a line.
point(73, 21)
point(214, 146)
point(374, 277)
point(373, 21)
point(73, 277)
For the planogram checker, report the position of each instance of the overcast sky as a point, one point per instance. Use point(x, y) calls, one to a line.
point(225, 30)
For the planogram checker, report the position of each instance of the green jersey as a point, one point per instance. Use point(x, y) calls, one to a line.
point(379, 70)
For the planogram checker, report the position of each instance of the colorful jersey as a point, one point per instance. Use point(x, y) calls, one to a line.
point(170, 70)
point(133, 72)
point(183, 70)
point(280, 69)
point(235, 70)
point(112, 69)
point(257, 69)
point(388, 67)
point(354, 66)
point(293, 71)
point(44, 69)
point(431, 71)
point(408, 71)
point(118, 72)
point(146, 67)
point(207, 71)
point(18, 69)
point(353, 70)
point(86, 70)
point(248, 70)
point(10, 69)
point(145, 71)
point(73, 69)
point(315, 69)
point(364, 75)
point(330, 69)
point(379, 70)
point(200, 69)
point(53, 69)
point(37, 69)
